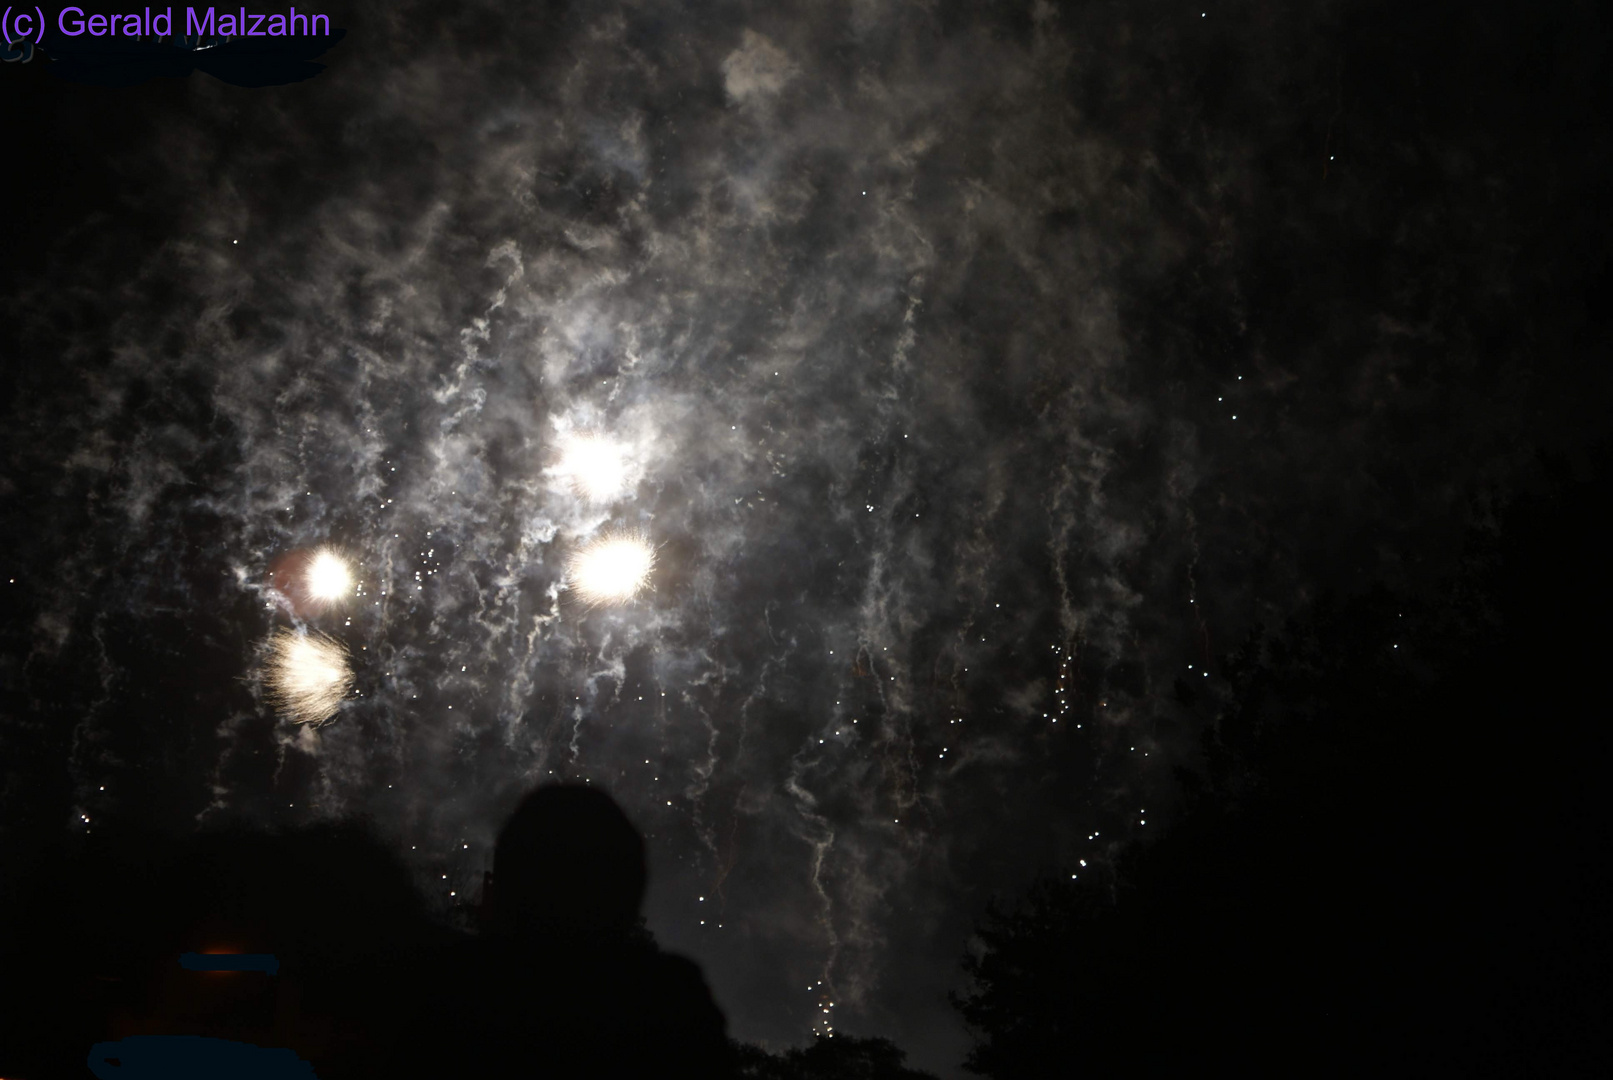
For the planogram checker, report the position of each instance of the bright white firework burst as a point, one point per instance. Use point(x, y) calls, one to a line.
point(309, 675)
point(329, 579)
point(597, 466)
point(611, 569)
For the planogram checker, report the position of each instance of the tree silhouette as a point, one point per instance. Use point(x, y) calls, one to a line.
point(839, 1057)
point(1392, 858)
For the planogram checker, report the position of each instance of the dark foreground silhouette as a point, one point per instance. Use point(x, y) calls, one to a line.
point(1393, 858)
point(837, 1057)
point(311, 953)
point(125, 934)
point(563, 981)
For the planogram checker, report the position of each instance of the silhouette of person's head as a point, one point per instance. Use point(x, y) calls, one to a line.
point(567, 863)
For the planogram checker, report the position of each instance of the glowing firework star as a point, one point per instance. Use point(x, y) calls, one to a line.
point(611, 569)
point(308, 676)
point(596, 465)
point(328, 577)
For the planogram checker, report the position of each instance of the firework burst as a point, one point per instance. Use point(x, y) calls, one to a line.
point(311, 581)
point(597, 467)
point(611, 569)
point(309, 676)
point(328, 578)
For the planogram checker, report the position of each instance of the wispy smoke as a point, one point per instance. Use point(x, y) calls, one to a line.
point(849, 307)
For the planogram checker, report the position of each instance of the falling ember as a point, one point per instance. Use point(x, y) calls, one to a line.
point(309, 676)
point(611, 569)
point(596, 465)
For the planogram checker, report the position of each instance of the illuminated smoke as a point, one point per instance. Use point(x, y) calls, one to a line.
point(597, 467)
point(309, 676)
point(611, 569)
point(328, 579)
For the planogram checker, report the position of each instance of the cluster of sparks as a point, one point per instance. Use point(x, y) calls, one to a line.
point(1061, 691)
point(823, 1024)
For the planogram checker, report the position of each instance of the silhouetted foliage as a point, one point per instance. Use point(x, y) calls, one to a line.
point(838, 1057)
point(1394, 858)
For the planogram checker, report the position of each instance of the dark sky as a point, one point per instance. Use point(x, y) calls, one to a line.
point(979, 366)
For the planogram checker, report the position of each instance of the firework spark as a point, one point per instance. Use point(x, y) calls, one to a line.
point(309, 676)
point(611, 569)
point(596, 465)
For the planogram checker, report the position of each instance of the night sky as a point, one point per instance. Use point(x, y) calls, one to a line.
point(979, 372)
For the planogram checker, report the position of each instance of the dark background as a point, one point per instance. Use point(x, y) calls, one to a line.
point(983, 365)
